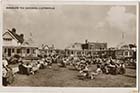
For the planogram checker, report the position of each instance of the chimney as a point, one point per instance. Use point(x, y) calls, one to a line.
point(86, 41)
point(14, 30)
point(22, 36)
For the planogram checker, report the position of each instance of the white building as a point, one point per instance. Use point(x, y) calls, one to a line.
point(126, 51)
point(14, 43)
point(75, 46)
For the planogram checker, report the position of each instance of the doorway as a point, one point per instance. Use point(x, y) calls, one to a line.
point(9, 52)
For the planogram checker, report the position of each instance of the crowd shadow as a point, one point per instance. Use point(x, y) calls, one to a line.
point(130, 76)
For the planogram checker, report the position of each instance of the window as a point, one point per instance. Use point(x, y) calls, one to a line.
point(18, 50)
point(34, 51)
point(5, 50)
point(68, 52)
point(13, 50)
point(9, 52)
point(79, 52)
point(126, 53)
point(131, 53)
point(120, 52)
point(28, 51)
point(72, 52)
point(7, 39)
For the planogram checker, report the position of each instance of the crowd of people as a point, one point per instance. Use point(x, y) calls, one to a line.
point(33, 67)
point(81, 63)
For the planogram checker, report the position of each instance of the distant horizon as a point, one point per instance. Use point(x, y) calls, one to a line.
point(68, 24)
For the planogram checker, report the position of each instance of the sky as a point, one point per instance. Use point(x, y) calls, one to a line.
point(67, 24)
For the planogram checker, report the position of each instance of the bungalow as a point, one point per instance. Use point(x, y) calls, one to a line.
point(14, 43)
point(126, 51)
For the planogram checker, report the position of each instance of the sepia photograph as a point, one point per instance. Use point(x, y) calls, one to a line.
point(69, 45)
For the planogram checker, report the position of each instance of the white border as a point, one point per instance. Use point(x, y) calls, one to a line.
point(137, 22)
point(1, 27)
point(67, 2)
point(68, 89)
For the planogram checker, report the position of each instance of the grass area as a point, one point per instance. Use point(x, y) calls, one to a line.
point(66, 77)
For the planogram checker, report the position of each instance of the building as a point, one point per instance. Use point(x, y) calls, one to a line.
point(75, 46)
point(11, 38)
point(45, 50)
point(14, 43)
point(126, 51)
point(85, 48)
point(94, 45)
point(97, 46)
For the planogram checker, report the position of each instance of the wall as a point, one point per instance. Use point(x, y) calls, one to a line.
point(12, 42)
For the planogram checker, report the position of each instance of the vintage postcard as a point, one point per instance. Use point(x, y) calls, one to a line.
point(70, 45)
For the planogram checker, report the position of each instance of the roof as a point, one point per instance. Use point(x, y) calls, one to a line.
point(75, 46)
point(97, 43)
point(22, 46)
point(29, 43)
point(128, 46)
point(18, 37)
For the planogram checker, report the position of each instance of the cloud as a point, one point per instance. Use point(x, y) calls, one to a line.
point(117, 21)
point(67, 24)
point(118, 17)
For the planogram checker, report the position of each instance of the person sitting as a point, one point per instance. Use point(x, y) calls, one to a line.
point(28, 67)
point(21, 68)
point(112, 68)
point(24, 69)
point(64, 62)
point(106, 68)
point(35, 68)
point(49, 61)
point(84, 72)
point(81, 66)
point(42, 61)
point(122, 68)
point(4, 62)
point(98, 71)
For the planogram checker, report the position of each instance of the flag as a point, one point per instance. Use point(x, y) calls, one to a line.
point(30, 34)
point(122, 35)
